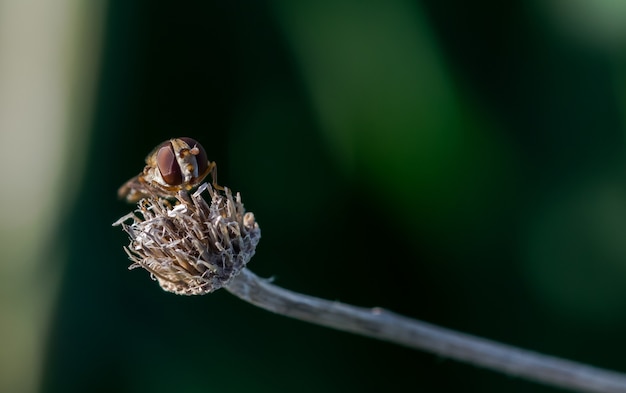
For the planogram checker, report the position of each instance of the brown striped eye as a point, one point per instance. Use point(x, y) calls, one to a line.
point(201, 158)
point(168, 166)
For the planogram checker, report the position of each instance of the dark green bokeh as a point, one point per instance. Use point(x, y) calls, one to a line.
point(459, 163)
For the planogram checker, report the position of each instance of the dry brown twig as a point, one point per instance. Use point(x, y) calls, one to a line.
point(192, 247)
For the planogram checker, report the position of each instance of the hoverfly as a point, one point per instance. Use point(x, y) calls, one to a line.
point(174, 165)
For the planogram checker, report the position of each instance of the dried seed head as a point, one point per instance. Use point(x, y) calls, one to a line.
point(191, 247)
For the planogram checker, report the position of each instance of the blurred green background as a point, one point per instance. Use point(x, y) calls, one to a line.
point(463, 163)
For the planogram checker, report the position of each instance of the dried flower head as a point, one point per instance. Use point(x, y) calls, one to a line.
point(189, 246)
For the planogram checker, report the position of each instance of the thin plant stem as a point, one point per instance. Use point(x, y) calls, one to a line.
point(194, 248)
point(385, 325)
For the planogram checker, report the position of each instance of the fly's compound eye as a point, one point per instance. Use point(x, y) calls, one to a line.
point(202, 160)
point(168, 166)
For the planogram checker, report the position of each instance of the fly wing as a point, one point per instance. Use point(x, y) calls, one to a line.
point(133, 190)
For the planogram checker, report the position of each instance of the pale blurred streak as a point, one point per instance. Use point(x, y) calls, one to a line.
point(599, 23)
point(49, 53)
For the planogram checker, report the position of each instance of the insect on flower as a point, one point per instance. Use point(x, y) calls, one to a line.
point(174, 165)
